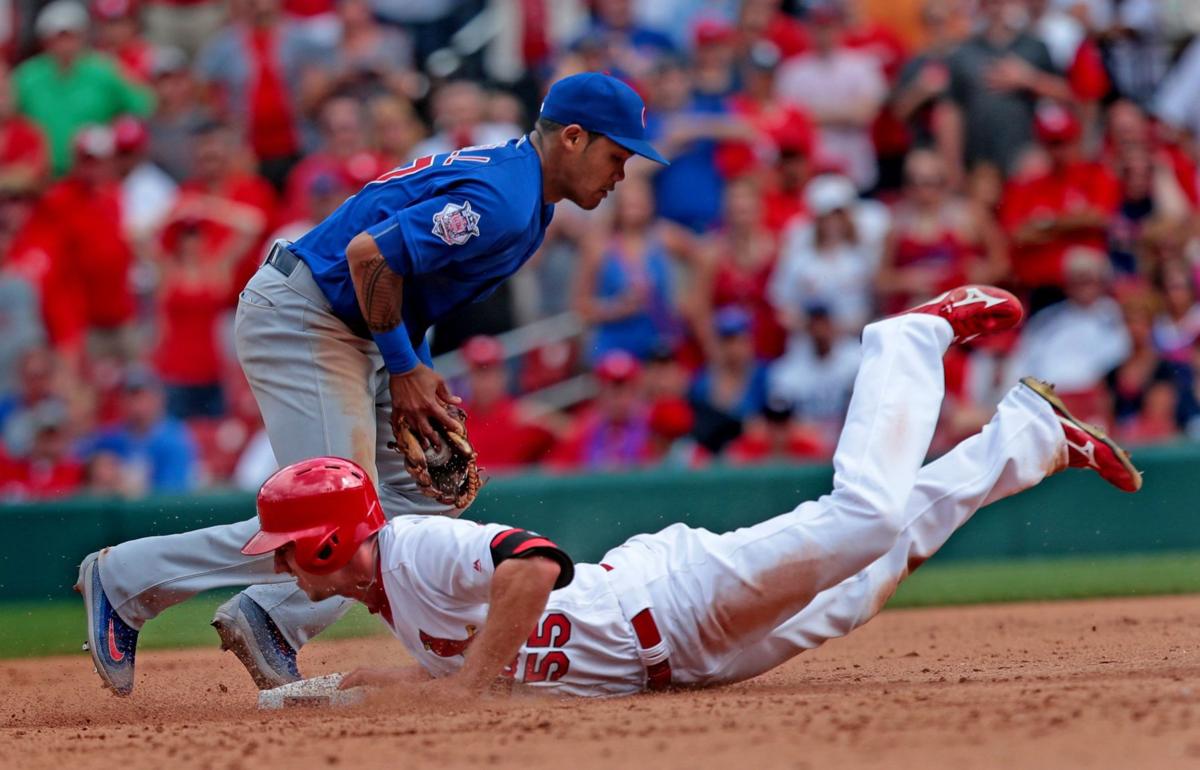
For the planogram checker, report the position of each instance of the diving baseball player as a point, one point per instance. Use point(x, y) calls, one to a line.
point(331, 335)
point(685, 606)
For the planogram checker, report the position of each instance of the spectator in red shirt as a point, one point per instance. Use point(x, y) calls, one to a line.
point(193, 292)
point(937, 241)
point(783, 194)
point(736, 268)
point(24, 154)
point(1068, 205)
point(775, 437)
point(221, 171)
point(48, 470)
point(345, 151)
point(117, 33)
point(779, 128)
point(91, 260)
point(502, 433)
point(254, 68)
point(671, 444)
point(614, 432)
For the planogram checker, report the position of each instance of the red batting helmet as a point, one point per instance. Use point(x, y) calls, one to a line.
point(326, 506)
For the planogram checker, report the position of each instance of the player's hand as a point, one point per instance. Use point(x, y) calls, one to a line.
point(414, 684)
point(383, 677)
point(419, 396)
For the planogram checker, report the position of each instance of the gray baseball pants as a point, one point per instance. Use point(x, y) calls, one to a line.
point(322, 390)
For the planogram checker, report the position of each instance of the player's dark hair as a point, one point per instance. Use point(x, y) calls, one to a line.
point(546, 127)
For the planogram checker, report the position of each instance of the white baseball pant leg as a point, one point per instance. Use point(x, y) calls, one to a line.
point(322, 390)
point(1021, 445)
point(713, 594)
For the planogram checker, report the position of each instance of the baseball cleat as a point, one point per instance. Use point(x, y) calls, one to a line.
point(1087, 445)
point(112, 641)
point(974, 311)
point(248, 631)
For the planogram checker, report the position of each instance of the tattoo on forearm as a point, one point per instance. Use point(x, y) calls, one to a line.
point(380, 295)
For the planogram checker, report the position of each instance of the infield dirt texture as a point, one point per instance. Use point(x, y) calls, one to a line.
point(1093, 684)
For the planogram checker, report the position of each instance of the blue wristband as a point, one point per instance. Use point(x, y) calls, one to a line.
point(397, 350)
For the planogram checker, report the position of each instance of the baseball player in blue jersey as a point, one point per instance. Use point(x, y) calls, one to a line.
point(331, 335)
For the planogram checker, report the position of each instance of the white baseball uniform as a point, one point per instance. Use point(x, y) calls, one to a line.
point(885, 515)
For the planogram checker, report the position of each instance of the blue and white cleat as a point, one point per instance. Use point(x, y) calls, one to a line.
point(248, 631)
point(112, 641)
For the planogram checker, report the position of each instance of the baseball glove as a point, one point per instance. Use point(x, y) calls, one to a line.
point(448, 474)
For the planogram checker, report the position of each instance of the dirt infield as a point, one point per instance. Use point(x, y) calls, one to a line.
point(1086, 684)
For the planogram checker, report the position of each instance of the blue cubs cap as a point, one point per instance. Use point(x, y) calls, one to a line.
point(602, 104)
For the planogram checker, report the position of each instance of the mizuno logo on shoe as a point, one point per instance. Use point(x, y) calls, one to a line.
point(1088, 449)
point(974, 295)
point(116, 655)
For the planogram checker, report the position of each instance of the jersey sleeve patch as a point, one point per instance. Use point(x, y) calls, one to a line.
point(521, 543)
point(456, 223)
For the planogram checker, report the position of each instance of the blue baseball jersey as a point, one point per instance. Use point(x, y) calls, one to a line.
point(454, 225)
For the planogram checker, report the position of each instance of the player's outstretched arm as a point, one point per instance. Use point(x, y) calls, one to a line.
point(379, 289)
point(384, 677)
point(519, 592)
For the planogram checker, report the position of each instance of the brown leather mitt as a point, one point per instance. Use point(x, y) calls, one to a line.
point(448, 474)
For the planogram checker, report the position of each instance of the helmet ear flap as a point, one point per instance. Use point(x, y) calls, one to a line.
point(322, 554)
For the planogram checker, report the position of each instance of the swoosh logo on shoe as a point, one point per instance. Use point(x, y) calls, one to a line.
point(116, 655)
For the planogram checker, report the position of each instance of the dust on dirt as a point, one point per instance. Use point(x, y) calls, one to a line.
point(1098, 684)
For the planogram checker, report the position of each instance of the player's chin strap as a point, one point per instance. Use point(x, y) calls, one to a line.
point(653, 651)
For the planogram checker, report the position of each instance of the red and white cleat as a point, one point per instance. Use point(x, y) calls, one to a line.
point(975, 310)
point(1087, 445)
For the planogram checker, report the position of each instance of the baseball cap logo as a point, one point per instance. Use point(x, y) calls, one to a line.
point(643, 116)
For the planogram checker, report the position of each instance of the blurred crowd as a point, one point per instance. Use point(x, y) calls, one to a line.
point(831, 161)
